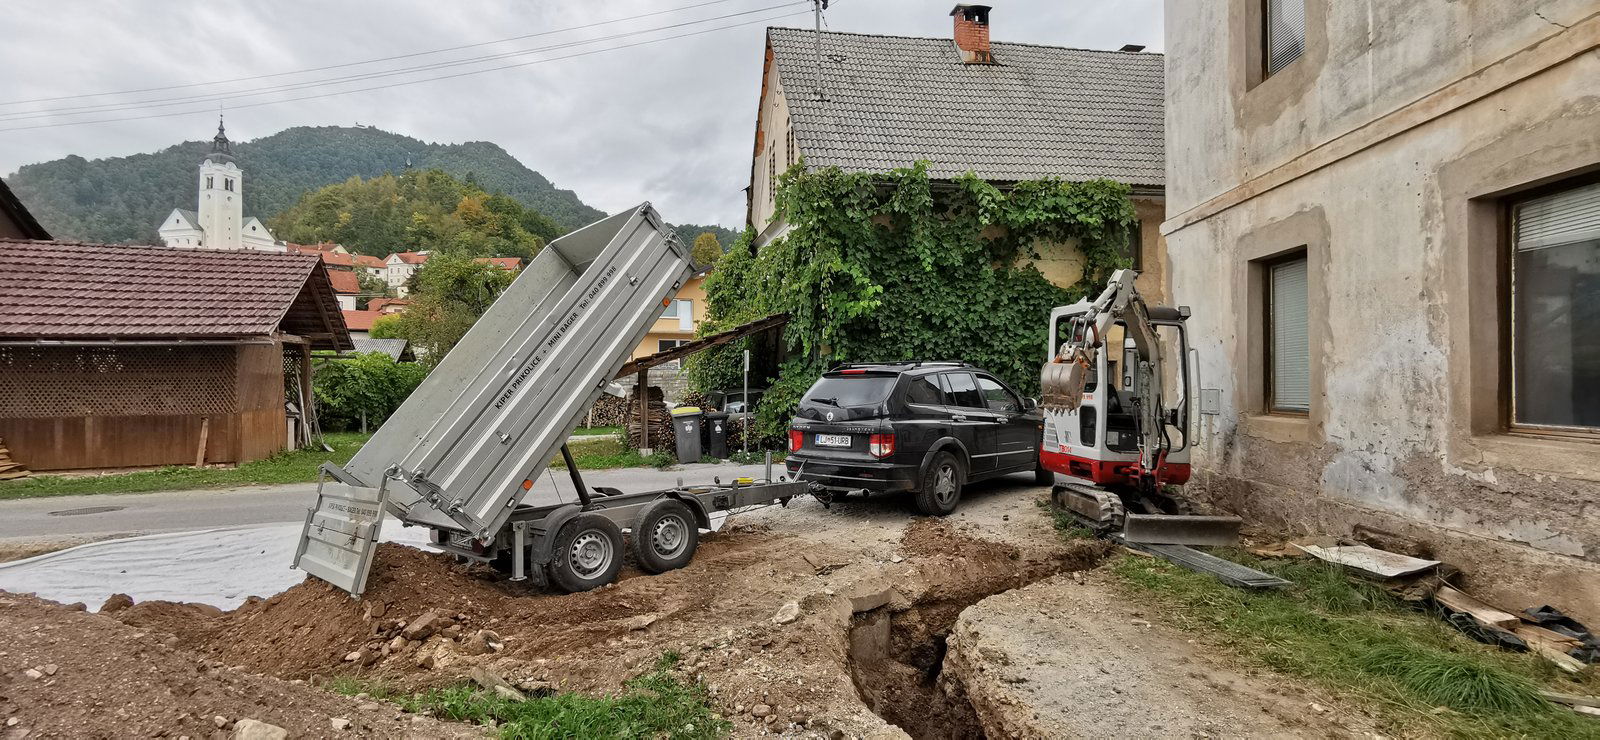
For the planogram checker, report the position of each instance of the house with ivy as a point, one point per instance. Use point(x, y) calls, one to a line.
point(1007, 113)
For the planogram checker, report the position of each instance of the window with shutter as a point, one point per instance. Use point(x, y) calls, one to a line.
point(1555, 305)
point(1284, 34)
point(1288, 337)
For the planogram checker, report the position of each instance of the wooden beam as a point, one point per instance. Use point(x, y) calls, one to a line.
point(1483, 613)
point(702, 344)
point(643, 390)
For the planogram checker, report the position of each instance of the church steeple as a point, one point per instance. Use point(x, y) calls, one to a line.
point(221, 148)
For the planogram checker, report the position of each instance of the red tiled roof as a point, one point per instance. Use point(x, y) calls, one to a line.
point(411, 258)
point(67, 290)
point(318, 248)
point(338, 260)
point(360, 320)
point(344, 281)
point(367, 260)
point(504, 263)
point(378, 304)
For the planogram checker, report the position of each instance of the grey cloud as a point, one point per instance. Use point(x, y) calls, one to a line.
point(671, 122)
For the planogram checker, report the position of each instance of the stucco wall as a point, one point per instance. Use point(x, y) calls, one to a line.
point(693, 291)
point(1387, 151)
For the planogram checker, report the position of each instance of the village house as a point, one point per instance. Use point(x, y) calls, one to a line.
point(218, 221)
point(121, 356)
point(1386, 217)
point(1006, 112)
point(400, 266)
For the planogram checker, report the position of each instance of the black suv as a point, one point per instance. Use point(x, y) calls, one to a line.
point(925, 427)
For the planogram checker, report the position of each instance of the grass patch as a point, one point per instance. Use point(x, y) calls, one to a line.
point(655, 704)
point(293, 466)
point(606, 453)
point(1356, 639)
point(591, 431)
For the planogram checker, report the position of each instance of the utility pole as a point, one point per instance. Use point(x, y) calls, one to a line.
point(819, 6)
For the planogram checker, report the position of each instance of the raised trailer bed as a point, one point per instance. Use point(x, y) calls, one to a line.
point(463, 454)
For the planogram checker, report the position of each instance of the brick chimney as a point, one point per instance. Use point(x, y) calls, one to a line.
point(972, 33)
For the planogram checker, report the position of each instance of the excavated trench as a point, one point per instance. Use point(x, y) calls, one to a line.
point(897, 656)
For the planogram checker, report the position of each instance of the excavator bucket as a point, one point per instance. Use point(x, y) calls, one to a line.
point(1186, 529)
point(1061, 385)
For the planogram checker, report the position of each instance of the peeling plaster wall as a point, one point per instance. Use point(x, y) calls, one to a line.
point(1386, 151)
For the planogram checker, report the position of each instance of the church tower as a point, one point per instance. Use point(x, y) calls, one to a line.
point(218, 222)
point(221, 206)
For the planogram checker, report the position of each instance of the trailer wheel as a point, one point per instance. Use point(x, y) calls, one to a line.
point(666, 536)
point(587, 553)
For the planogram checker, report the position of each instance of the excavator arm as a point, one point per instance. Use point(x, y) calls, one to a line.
point(1065, 375)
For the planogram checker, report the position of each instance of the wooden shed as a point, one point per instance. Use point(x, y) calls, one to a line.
point(120, 356)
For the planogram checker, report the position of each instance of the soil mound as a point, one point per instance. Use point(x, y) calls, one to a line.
point(74, 674)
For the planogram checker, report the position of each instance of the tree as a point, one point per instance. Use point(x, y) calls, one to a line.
point(448, 294)
point(361, 391)
point(416, 210)
point(387, 327)
point(706, 250)
point(372, 287)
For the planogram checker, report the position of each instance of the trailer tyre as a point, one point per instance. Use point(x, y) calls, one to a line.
point(666, 536)
point(587, 553)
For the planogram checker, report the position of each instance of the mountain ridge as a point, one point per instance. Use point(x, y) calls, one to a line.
point(125, 198)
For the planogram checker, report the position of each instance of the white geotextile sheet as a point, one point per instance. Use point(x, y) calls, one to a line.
point(219, 567)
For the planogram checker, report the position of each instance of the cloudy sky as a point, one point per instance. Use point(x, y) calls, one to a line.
point(669, 121)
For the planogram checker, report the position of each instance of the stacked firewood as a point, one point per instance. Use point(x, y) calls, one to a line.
point(658, 419)
point(608, 411)
point(10, 468)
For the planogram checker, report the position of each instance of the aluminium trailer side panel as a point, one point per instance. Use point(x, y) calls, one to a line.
point(499, 406)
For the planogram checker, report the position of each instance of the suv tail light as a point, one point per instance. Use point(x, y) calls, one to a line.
point(795, 435)
point(881, 445)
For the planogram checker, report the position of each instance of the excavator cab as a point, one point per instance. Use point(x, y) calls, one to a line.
point(1097, 436)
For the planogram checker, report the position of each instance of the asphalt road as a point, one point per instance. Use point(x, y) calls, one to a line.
point(105, 515)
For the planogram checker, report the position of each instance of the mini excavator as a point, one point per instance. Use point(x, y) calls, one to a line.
point(1117, 395)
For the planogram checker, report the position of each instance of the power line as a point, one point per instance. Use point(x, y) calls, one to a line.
point(253, 92)
point(367, 61)
point(411, 82)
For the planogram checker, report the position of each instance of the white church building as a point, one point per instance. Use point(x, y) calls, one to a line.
point(218, 222)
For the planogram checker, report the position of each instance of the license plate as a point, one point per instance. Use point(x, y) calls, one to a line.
point(833, 440)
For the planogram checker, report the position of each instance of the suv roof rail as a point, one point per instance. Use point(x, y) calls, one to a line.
point(902, 363)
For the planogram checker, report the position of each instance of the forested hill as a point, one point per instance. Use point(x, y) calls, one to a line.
point(124, 198)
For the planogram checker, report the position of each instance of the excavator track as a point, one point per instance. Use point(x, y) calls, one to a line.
point(1095, 508)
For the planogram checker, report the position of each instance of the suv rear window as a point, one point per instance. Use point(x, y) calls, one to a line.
point(851, 390)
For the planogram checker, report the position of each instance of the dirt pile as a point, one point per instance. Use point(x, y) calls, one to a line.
point(67, 673)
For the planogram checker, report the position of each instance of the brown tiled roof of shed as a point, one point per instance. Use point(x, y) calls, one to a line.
point(91, 292)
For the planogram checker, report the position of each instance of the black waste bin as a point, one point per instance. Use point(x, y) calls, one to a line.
point(686, 427)
point(716, 424)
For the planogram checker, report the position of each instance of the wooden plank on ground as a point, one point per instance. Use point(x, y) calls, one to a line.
point(1555, 652)
point(1571, 700)
point(1483, 613)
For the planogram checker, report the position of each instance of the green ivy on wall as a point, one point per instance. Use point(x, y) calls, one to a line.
point(893, 266)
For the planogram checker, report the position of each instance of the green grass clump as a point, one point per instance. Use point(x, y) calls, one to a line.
point(655, 704)
point(592, 431)
point(291, 466)
point(1461, 681)
point(1354, 638)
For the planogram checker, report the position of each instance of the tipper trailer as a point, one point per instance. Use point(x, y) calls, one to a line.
point(466, 451)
